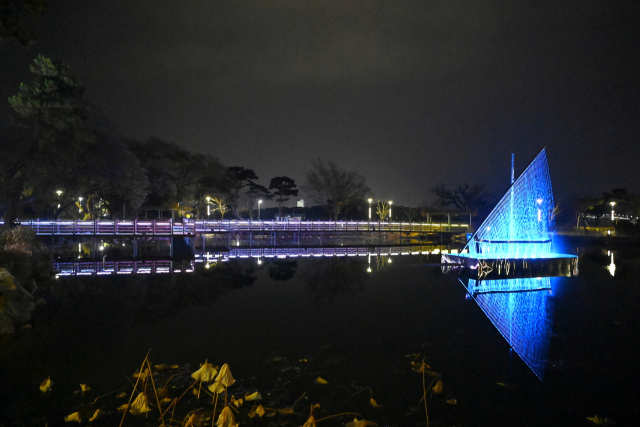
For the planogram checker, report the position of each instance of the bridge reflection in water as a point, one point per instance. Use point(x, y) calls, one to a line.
point(170, 265)
point(522, 311)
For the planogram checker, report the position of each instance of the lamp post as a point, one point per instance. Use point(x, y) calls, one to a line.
point(370, 200)
point(80, 208)
point(390, 203)
point(259, 203)
point(208, 208)
point(612, 210)
point(58, 192)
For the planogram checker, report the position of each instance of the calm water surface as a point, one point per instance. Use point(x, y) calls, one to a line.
point(355, 329)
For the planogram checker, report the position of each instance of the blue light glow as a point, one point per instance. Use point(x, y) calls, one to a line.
point(521, 310)
point(520, 226)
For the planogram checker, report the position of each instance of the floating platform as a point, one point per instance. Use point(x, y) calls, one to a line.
point(494, 266)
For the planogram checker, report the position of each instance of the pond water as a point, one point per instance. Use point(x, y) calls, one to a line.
point(283, 323)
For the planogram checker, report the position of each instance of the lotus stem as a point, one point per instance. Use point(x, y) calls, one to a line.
point(153, 383)
point(134, 389)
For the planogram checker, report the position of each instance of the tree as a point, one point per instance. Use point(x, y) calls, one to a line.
point(336, 189)
point(283, 188)
point(220, 205)
point(382, 210)
point(238, 178)
point(179, 179)
point(256, 191)
point(55, 141)
point(465, 198)
point(16, 17)
point(409, 213)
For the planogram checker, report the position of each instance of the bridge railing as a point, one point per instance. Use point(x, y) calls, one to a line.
point(190, 227)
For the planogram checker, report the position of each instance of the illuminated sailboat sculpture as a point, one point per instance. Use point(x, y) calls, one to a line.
point(517, 233)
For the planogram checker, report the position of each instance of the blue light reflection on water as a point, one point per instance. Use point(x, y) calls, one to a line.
point(522, 311)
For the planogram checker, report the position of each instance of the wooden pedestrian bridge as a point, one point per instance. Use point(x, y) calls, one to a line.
point(186, 227)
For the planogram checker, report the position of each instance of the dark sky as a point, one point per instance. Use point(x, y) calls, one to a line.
point(409, 93)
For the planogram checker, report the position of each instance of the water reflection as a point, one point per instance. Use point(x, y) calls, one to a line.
point(333, 278)
point(282, 269)
point(522, 310)
point(612, 266)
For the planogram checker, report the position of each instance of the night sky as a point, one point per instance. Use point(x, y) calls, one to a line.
point(408, 93)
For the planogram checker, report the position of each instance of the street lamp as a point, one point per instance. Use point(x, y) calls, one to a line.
point(208, 208)
point(80, 208)
point(370, 200)
point(612, 210)
point(59, 192)
point(259, 203)
point(390, 203)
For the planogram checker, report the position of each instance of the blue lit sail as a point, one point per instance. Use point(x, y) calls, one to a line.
point(523, 317)
point(520, 226)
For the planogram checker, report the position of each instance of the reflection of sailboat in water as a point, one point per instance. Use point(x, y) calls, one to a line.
point(521, 310)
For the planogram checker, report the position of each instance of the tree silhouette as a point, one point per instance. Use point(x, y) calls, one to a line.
point(283, 188)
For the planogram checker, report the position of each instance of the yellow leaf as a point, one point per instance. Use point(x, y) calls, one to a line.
point(194, 420)
point(216, 387)
point(73, 417)
point(437, 389)
point(303, 360)
point(206, 373)
point(141, 375)
point(420, 366)
point(163, 367)
point(316, 406)
point(140, 404)
point(501, 384)
point(226, 418)
point(596, 420)
point(166, 400)
point(46, 385)
point(452, 402)
point(252, 396)
point(260, 410)
point(84, 387)
point(321, 380)
point(237, 402)
point(98, 413)
point(123, 407)
point(121, 394)
point(225, 376)
point(374, 403)
point(311, 422)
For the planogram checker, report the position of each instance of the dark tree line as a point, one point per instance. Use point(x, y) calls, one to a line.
point(64, 157)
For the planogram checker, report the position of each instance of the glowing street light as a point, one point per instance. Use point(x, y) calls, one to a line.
point(80, 208)
point(259, 203)
point(59, 192)
point(370, 200)
point(390, 203)
point(612, 210)
point(208, 208)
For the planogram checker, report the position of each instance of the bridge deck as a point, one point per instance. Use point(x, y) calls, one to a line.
point(191, 227)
